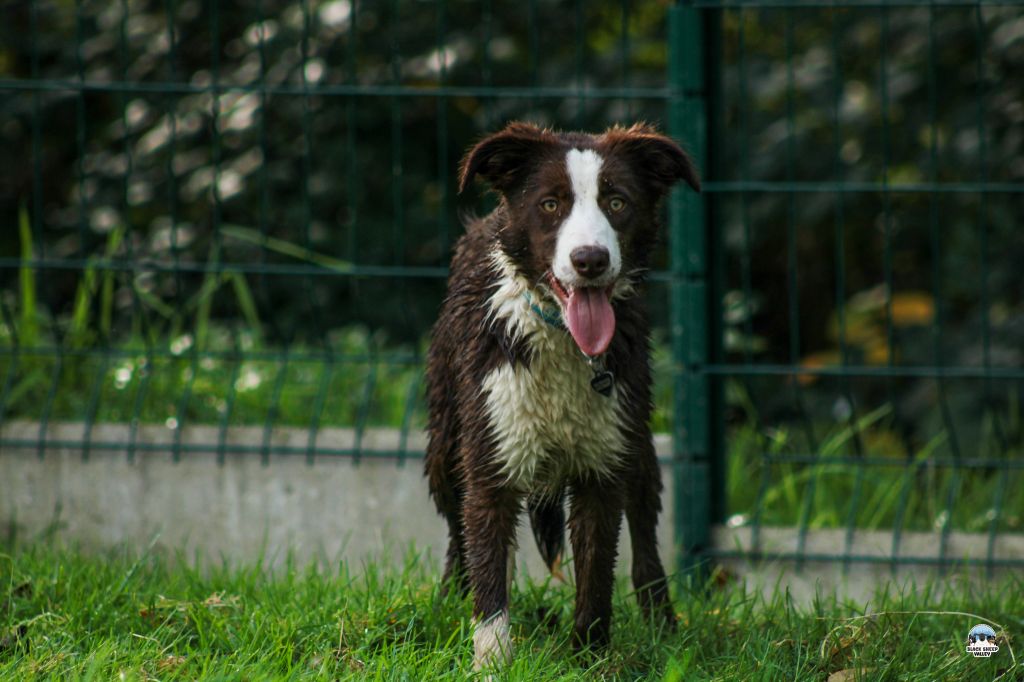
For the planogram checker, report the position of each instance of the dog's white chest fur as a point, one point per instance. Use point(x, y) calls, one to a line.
point(546, 418)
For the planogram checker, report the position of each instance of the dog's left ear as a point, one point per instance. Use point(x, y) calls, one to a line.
point(505, 157)
point(658, 157)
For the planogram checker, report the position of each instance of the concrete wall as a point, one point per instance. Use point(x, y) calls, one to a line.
point(860, 579)
point(337, 509)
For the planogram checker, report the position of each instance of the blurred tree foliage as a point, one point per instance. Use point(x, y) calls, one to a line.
point(214, 129)
point(279, 134)
point(841, 103)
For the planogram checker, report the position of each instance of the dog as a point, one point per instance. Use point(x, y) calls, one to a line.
point(538, 373)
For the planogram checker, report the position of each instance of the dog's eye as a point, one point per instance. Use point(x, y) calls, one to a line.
point(549, 205)
point(616, 204)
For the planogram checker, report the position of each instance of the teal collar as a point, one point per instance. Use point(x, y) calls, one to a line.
point(553, 319)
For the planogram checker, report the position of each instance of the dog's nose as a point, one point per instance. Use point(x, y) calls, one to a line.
point(589, 261)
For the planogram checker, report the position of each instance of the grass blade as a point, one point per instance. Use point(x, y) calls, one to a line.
point(27, 280)
point(285, 248)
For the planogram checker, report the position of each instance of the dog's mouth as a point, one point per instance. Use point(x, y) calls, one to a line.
point(588, 314)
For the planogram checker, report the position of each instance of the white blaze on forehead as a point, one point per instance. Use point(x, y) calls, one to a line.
point(584, 170)
point(587, 224)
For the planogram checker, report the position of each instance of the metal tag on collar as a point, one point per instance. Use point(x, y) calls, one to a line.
point(603, 380)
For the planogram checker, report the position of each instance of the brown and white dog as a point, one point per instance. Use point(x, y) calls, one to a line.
point(538, 375)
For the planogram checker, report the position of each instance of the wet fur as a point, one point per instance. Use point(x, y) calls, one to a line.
point(491, 355)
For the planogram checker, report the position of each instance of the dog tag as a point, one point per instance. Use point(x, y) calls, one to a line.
point(603, 382)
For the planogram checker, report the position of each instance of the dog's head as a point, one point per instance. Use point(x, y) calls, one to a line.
point(582, 212)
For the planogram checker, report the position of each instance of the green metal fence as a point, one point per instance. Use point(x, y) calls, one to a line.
point(241, 217)
point(865, 189)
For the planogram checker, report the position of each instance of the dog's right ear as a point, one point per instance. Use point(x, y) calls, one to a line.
point(506, 156)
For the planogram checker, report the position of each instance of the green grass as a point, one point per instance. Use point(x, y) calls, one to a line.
point(215, 386)
point(911, 493)
point(68, 615)
point(183, 366)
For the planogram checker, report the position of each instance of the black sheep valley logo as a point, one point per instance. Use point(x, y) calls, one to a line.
point(981, 641)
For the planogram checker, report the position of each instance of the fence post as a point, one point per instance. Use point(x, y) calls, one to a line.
point(688, 296)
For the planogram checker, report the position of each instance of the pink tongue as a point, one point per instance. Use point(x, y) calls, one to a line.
point(590, 319)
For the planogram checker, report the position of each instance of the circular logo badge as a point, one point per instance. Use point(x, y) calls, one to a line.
point(981, 641)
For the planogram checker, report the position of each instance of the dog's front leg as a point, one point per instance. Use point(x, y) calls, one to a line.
point(490, 513)
point(594, 521)
point(643, 504)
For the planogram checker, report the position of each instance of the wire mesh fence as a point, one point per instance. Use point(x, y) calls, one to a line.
point(241, 217)
point(244, 216)
point(866, 188)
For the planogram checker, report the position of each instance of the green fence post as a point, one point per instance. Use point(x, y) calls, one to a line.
point(691, 433)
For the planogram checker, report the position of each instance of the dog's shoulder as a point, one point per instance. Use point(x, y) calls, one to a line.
point(476, 340)
point(471, 268)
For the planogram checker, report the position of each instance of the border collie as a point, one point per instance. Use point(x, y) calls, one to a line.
point(538, 375)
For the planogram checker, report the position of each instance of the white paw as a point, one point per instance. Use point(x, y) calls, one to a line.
point(492, 643)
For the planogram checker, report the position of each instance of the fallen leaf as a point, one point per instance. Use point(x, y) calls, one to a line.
point(842, 645)
point(170, 663)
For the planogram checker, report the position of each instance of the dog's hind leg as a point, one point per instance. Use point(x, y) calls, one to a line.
point(440, 467)
point(455, 577)
point(643, 504)
point(447, 491)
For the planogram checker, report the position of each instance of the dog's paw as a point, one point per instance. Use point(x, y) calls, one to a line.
point(492, 642)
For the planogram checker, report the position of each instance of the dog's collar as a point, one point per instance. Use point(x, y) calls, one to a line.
point(553, 319)
point(603, 380)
